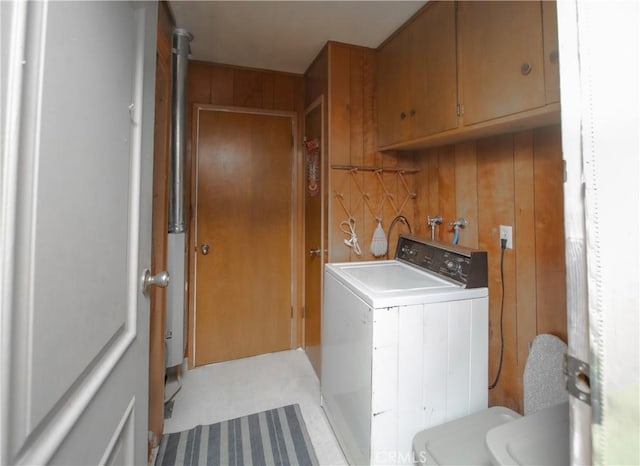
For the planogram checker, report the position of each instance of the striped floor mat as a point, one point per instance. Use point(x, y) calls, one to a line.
point(274, 437)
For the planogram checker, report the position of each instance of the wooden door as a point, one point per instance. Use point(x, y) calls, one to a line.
point(243, 282)
point(433, 77)
point(501, 69)
point(313, 237)
point(393, 80)
point(75, 210)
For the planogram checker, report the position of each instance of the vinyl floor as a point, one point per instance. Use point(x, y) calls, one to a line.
point(227, 390)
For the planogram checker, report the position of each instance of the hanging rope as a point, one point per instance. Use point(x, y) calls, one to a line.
point(352, 242)
point(365, 196)
point(409, 194)
point(348, 227)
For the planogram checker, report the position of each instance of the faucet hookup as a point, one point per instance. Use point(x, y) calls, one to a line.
point(433, 221)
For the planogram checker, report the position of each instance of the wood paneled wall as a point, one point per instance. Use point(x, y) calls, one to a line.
point(244, 87)
point(316, 78)
point(352, 141)
point(517, 180)
point(209, 83)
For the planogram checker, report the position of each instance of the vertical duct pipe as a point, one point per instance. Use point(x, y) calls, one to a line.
point(181, 49)
point(175, 315)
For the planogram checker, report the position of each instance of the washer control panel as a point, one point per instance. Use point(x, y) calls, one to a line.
point(465, 266)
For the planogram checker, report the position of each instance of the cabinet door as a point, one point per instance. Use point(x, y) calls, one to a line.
point(434, 86)
point(393, 88)
point(550, 37)
point(501, 68)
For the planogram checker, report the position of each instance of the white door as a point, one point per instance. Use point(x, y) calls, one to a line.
point(599, 74)
point(75, 218)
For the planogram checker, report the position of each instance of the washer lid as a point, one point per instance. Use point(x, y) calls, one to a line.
point(392, 276)
point(393, 283)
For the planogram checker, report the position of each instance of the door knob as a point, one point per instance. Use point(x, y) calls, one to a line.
point(314, 252)
point(162, 280)
point(204, 249)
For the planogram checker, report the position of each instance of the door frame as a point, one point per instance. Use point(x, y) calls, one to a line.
point(295, 221)
point(318, 102)
point(162, 130)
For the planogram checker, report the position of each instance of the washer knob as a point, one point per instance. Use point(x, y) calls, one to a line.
point(452, 266)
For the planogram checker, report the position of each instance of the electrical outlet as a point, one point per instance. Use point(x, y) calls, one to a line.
point(506, 232)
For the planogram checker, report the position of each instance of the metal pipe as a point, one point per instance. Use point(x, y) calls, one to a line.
point(433, 221)
point(181, 39)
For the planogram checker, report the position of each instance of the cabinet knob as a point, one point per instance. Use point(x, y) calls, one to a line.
point(553, 57)
point(525, 69)
point(403, 116)
point(413, 112)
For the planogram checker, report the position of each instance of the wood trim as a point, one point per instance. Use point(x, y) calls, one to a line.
point(165, 5)
point(298, 108)
point(247, 110)
point(296, 219)
point(166, 25)
point(191, 246)
point(162, 128)
point(313, 353)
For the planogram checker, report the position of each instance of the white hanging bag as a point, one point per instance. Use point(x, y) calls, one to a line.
point(379, 243)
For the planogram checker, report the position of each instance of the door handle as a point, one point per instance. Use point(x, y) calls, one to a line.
point(161, 279)
point(314, 252)
point(204, 249)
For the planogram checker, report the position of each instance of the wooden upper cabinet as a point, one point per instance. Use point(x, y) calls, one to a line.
point(417, 87)
point(469, 69)
point(500, 58)
point(551, 67)
point(434, 85)
point(393, 90)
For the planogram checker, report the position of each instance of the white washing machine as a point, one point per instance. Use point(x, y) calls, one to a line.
point(404, 346)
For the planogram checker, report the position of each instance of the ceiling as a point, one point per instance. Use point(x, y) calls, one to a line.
point(284, 36)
